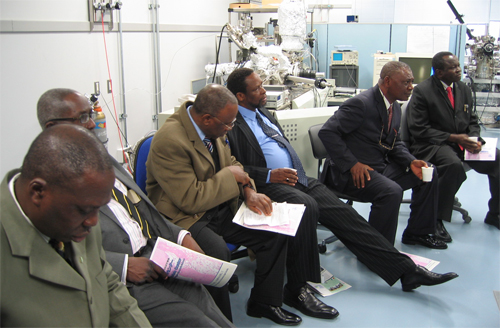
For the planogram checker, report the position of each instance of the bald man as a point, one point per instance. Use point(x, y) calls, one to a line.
point(53, 268)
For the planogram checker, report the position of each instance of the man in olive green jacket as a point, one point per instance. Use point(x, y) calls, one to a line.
point(53, 268)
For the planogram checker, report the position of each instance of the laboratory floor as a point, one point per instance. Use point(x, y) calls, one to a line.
point(467, 301)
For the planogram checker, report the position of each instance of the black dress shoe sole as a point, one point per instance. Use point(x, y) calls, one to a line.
point(409, 241)
point(320, 315)
point(445, 239)
point(411, 287)
point(279, 323)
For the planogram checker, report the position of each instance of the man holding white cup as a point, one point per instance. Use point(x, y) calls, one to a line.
point(368, 160)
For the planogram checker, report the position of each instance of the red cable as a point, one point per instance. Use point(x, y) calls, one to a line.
point(112, 90)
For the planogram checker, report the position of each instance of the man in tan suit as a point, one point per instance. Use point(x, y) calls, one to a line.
point(53, 269)
point(194, 180)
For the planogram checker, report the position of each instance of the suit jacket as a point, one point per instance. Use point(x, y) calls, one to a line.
point(39, 288)
point(181, 177)
point(247, 150)
point(353, 134)
point(116, 241)
point(431, 119)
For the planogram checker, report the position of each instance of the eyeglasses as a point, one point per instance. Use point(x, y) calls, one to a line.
point(393, 141)
point(84, 118)
point(228, 126)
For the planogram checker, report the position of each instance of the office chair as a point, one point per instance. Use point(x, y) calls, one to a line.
point(139, 158)
point(320, 153)
point(404, 133)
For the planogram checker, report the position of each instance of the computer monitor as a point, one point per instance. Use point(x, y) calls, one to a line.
point(420, 64)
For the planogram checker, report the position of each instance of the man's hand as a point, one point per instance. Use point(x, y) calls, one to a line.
point(464, 141)
point(285, 176)
point(141, 270)
point(416, 167)
point(360, 174)
point(259, 203)
point(190, 243)
point(240, 175)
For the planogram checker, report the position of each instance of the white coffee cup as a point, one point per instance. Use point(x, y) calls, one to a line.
point(427, 173)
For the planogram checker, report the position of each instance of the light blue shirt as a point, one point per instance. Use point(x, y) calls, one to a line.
point(200, 133)
point(276, 157)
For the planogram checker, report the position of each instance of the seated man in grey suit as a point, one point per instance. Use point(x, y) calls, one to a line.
point(53, 269)
point(166, 302)
point(268, 159)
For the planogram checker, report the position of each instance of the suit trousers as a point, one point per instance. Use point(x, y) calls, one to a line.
point(177, 303)
point(452, 175)
point(370, 247)
point(270, 249)
point(385, 192)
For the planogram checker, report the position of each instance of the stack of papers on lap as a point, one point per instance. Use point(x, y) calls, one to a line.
point(285, 218)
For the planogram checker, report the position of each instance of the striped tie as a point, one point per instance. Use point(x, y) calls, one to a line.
point(209, 145)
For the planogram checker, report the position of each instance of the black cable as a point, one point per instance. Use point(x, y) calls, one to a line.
point(217, 54)
point(117, 125)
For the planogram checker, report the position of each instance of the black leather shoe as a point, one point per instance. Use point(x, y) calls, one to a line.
point(310, 305)
point(441, 232)
point(493, 220)
point(274, 313)
point(421, 276)
point(424, 240)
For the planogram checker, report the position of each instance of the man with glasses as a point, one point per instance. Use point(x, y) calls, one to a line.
point(193, 179)
point(367, 159)
point(166, 302)
point(266, 162)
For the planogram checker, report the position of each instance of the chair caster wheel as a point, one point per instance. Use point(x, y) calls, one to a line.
point(234, 287)
point(234, 284)
point(322, 248)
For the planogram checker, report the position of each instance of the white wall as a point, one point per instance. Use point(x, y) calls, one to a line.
point(33, 62)
point(46, 44)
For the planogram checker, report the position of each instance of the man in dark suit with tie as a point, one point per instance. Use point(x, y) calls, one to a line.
point(193, 179)
point(268, 163)
point(130, 225)
point(368, 160)
point(441, 120)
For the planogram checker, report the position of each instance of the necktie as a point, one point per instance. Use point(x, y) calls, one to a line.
point(390, 118)
point(209, 145)
point(132, 210)
point(59, 247)
point(449, 91)
point(283, 143)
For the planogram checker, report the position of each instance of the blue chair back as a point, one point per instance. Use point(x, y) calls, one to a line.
point(140, 162)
